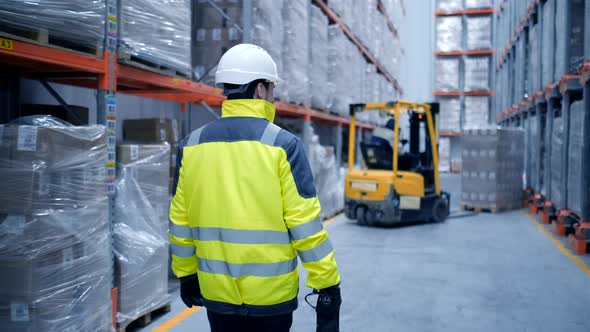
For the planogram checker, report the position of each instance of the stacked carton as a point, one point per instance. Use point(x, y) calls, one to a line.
point(319, 59)
point(55, 251)
point(140, 230)
point(154, 131)
point(214, 33)
point(444, 154)
point(492, 168)
point(575, 175)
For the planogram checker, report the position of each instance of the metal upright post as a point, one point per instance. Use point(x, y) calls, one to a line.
point(587, 31)
point(538, 141)
point(585, 194)
point(339, 144)
point(565, 115)
point(107, 115)
point(548, 146)
point(247, 21)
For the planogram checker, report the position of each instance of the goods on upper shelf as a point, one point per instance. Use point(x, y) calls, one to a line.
point(51, 22)
point(156, 33)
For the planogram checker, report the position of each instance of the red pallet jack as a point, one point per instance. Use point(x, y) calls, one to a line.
point(549, 212)
point(564, 225)
point(580, 240)
point(537, 204)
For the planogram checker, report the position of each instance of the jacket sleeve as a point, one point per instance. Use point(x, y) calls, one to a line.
point(301, 211)
point(182, 247)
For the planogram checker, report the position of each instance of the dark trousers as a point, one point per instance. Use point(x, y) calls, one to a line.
point(233, 323)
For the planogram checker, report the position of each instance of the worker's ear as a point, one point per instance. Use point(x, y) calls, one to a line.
point(260, 92)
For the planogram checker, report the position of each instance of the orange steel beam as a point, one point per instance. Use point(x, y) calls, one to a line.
point(450, 134)
point(51, 56)
point(487, 11)
point(447, 94)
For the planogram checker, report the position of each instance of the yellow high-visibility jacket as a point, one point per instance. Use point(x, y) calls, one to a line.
point(244, 207)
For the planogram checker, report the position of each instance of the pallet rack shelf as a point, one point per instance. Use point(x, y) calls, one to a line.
point(335, 19)
point(460, 53)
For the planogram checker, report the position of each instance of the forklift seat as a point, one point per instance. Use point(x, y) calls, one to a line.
point(380, 156)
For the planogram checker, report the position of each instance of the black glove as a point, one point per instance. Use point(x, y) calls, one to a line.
point(190, 292)
point(328, 309)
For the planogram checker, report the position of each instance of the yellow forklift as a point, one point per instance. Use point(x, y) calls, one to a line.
point(400, 182)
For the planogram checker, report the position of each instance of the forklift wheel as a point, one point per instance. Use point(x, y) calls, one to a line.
point(440, 210)
point(361, 215)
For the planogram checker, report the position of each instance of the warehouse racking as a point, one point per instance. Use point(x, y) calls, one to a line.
point(104, 74)
point(553, 109)
point(459, 53)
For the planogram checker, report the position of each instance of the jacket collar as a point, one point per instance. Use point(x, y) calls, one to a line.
point(258, 108)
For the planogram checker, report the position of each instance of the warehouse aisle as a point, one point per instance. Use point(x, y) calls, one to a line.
point(479, 273)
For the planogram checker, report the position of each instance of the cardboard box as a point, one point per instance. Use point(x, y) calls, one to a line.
point(208, 17)
point(151, 131)
point(51, 168)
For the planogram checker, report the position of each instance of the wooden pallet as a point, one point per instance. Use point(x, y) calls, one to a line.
point(482, 209)
point(44, 37)
point(146, 318)
point(140, 62)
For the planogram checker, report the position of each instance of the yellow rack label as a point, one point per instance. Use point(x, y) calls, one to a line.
point(6, 44)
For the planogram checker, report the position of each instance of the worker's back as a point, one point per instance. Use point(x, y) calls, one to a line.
point(245, 199)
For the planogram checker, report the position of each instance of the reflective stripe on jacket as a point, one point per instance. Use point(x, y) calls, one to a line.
point(244, 207)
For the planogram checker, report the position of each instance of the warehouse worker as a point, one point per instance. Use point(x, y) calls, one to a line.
point(245, 206)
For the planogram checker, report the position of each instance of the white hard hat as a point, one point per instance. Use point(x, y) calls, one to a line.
point(245, 63)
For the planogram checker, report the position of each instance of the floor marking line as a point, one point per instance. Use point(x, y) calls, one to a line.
point(576, 260)
point(166, 326)
point(172, 322)
point(331, 220)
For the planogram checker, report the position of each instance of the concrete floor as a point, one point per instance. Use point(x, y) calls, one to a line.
point(478, 273)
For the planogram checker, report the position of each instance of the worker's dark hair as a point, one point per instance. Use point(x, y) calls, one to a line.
point(248, 90)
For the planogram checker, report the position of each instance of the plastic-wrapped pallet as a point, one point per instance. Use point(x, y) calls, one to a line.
point(55, 250)
point(53, 21)
point(450, 114)
point(492, 168)
point(476, 4)
point(449, 5)
point(449, 33)
point(575, 176)
point(479, 32)
point(140, 230)
point(534, 60)
point(295, 47)
point(477, 73)
point(157, 32)
point(556, 171)
point(319, 58)
point(338, 71)
point(548, 43)
point(444, 154)
point(547, 157)
point(328, 177)
point(447, 74)
point(214, 34)
point(569, 54)
point(477, 110)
